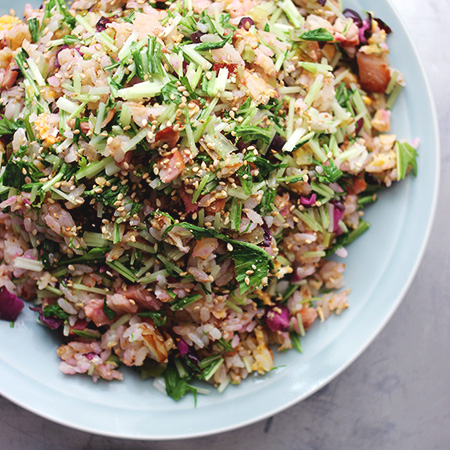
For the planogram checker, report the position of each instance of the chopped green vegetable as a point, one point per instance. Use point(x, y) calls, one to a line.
point(295, 339)
point(329, 174)
point(224, 345)
point(406, 158)
point(108, 311)
point(177, 387)
point(251, 133)
point(319, 34)
point(87, 334)
point(159, 317)
point(181, 303)
point(10, 126)
point(56, 311)
point(33, 26)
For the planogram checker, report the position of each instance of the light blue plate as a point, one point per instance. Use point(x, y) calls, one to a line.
point(380, 267)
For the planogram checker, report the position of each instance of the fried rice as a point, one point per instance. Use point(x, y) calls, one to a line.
point(175, 175)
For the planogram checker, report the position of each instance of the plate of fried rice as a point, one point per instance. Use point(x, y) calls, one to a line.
point(184, 186)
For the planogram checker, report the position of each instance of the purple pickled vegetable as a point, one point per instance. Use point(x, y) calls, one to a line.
point(365, 30)
point(337, 216)
point(365, 26)
point(90, 356)
point(351, 14)
point(321, 2)
point(277, 318)
point(187, 353)
point(308, 201)
point(359, 125)
point(266, 234)
point(241, 145)
point(383, 26)
point(195, 37)
point(183, 348)
point(101, 24)
point(51, 322)
point(192, 359)
point(246, 23)
point(10, 305)
point(185, 67)
point(277, 142)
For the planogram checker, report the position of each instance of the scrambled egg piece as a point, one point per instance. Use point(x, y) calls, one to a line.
point(7, 22)
point(44, 131)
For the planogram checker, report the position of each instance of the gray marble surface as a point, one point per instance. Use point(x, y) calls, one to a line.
point(397, 394)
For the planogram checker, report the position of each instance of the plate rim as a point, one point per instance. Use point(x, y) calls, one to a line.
point(335, 373)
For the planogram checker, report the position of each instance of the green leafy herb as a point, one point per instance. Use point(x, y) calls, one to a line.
point(246, 256)
point(330, 173)
point(213, 45)
point(264, 166)
point(151, 368)
point(109, 197)
point(10, 126)
point(320, 34)
point(159, 317)
point(252, 133)
point(249, 257)
point(225, 21)
point(406, 157)
point(177, 387)
point(203, 157)
point(170, 93)
point(16, 171)
point(46, 251)
point(13, 176)
point(92, 255)
point(68, 18)
point(267, 200)
point(108, 311)
point(56, 311)
point(181, 303)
